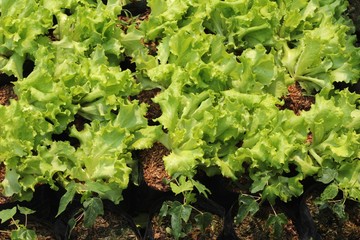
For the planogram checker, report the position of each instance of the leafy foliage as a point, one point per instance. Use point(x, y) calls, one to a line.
point(222, 67)
point(180, 212)
point(21, 231)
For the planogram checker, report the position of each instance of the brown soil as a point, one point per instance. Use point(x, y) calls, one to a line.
point(42, 231)
point(154, 110)
point(152, 163)
point(109, 226)
point(309, 138)
point(212, 232)
point(255, 227)
point(126, 19)
point(295, 100)
point(7, 93)
point(331, 227)
point(151, 46)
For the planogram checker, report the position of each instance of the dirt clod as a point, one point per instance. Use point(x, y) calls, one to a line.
point(7, 93)
point(296, 101)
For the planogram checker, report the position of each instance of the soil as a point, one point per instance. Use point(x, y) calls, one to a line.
point(328, 225)
point(212, 232)
point(108, 226)
point(296, 101)
point(255, 227)
point(154, 110)
point(7, 93)
point(354, 8)
point(151, 159)
point(42, 230)
point(153, 167)
point(126, 17)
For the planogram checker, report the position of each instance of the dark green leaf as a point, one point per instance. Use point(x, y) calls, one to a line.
point(339, 209)
point(93, 208)
point(201, 188)
point(203, 220)
point(277, 223)
point(164, 209)
point(189, 198)
point(72, 223)
point(247, 205)
point(67, 197)
point(179, 214)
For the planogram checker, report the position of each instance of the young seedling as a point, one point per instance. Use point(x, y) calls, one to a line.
point(92, 208)
point(20, 231)
point(181, 212)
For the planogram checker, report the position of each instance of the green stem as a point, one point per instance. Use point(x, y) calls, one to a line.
point(317, 81)
point(252, 29)
point(15, 223)
point(318, 159)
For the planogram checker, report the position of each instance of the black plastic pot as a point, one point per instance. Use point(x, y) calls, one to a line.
point(64, 231)
point(203, 204)
point(323, 222)
point(44, 203)
point(255, 225)
point(135, 7)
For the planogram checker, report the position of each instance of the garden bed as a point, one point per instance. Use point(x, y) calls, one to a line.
point(179, 119)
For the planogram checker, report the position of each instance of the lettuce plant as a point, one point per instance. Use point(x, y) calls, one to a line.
point(223, 68)
point(76, 52)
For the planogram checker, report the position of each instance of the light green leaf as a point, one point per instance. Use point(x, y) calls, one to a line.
point(182, 185)
point(11, 183)
point(7, 214)
point(23, 234)
point(25, 210)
